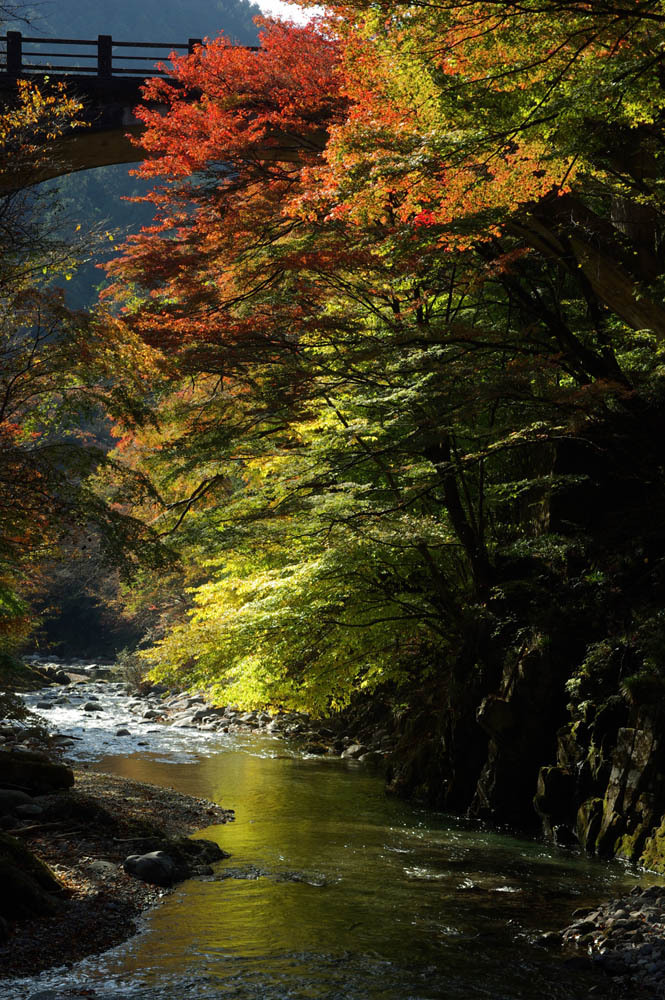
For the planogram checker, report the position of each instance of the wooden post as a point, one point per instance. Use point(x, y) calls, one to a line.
point(191, 42)
point(14, 53)
point(104, 56)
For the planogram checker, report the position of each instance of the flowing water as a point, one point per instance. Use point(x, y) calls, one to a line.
point(333, 891)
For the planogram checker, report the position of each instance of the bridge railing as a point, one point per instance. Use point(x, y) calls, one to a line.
point(103, 57)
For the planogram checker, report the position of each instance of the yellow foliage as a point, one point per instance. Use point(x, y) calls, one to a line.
point(39, 116)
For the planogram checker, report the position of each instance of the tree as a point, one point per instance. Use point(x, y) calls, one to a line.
point(382, 345)
point(58, 377)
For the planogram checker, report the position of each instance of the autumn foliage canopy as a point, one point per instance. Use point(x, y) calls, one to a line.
point(401, 258)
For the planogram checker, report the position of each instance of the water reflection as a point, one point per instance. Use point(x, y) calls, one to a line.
point(336, 892)
point(333, 889)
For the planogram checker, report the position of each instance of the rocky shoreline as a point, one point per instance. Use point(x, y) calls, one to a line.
point(101, 899)
point(327, 737)
point(353, 739)
point(155, 704)
point(86, 899)
point(624, 937)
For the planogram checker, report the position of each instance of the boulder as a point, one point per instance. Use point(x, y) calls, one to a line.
point(33, 773)
point(184, 722)
point(202, 713)
point(157, 868)
point(10, 798)
point(92, 706)
point(355, 750)
point(103, 868)
point(27, 884)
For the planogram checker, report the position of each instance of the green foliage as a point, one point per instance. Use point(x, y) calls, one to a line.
point(414, 370)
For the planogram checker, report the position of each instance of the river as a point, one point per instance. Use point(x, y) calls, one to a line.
point(333, 890)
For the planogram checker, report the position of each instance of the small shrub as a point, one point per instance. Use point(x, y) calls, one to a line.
point(132, 668)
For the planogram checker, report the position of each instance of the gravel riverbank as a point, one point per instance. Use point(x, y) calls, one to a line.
point(84, 835)
point(626, 938)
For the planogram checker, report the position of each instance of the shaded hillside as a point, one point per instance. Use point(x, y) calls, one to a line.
point(95, 197)
point(151, 20)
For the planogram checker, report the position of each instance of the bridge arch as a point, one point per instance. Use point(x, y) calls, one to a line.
point(106, 75)
point(110, 90)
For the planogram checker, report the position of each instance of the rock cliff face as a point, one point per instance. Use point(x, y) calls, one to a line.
point(614, 770)
point(554, 714)
point(519, 722)
point(587, 772)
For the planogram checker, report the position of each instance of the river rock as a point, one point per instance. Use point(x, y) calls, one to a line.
point(202, 713)
point(10, 799)
point(123, 732)
point(355, 750)
point(92, 706)
point(625, 936)
point(27, 884)
point(33, 772)
point(156, 867)
point(185, 722)
point(103, 867)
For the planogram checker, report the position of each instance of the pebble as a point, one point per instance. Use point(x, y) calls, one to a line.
point(626, 936)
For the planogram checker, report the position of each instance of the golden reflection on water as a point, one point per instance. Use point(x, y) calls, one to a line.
point(344, 872)
point(295, 823)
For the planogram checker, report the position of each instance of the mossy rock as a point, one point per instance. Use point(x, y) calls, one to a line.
point(653, 854)
point(18, 676)
point(629, 846)
point(599, 765)
point(27, 884)
point(587, 826)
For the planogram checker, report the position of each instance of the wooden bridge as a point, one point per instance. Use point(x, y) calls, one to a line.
point(98, 58)
point(105, 74)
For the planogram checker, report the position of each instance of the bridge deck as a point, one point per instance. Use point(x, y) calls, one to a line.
point(103, 58)
point(109, 91)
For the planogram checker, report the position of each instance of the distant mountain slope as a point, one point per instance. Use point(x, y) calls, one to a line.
point(148, 20)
